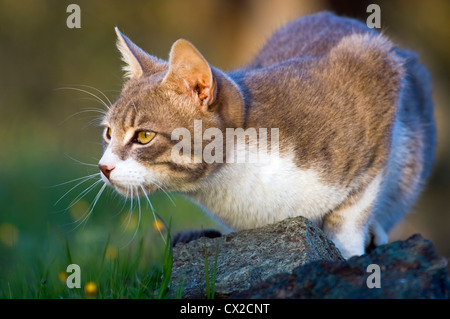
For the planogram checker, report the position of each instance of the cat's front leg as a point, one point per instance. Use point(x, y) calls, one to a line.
point(349, 224)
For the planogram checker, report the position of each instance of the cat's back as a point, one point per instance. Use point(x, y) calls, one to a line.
point(310, 36)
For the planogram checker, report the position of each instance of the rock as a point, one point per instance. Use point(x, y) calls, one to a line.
point(408, 269)
point(249, 256)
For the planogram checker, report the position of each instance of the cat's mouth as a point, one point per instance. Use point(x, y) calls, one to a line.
point(132, 190)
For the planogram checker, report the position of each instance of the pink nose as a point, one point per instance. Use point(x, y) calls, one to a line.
point(106, 170)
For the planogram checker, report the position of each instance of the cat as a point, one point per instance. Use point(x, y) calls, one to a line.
point(354, 115)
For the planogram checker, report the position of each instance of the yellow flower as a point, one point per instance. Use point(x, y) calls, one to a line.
point(63, 276)
point(79, 210)
point(9, 234)
point(91, 289)
point(158, 225)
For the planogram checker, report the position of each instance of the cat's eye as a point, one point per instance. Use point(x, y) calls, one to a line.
point(107, 134)
point(144, 137)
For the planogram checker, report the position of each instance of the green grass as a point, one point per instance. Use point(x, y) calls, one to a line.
point(120, 277)
point(38, 240)
point(210, 283)
point(126, 275)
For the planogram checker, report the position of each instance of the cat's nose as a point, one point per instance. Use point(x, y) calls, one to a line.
point(106, 170)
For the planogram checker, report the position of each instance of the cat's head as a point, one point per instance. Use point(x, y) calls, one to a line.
point(157, 98)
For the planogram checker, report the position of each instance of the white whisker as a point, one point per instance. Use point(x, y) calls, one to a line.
point(139, 218)
point(74, 180)
point(134, 106)
point(84, 179)
point(99, 91)
point(80, 162)
point(87, 92)
point(96, 121)
point(91, 207)
point(89, 110)
point(164, 189)
point(83, 193)
point(124, 199)
point(153, 212)
point(130, 212)
point(95, 110)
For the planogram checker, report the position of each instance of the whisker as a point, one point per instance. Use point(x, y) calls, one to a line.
point(153, 211)
point(130, 213)
point(96, 121)
point(99, 91)
point(124, 199)
point(89, 110)
point(131, 198)
point(87, 92)
point(80, 196)
point(91, 207)
point(134, 106)
point(139, 219)
point(83, 193)
point(73, 180)
point(139, 209)
point(165, 191)
point(84, 179)
point(80, 162)
point(95, 110)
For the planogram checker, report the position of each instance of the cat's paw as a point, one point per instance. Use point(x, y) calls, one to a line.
point(376, 236)
point(190, 235)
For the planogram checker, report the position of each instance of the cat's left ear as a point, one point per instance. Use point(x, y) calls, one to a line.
point(138, 62)
point(191, 73)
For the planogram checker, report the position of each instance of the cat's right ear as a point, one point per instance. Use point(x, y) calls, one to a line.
point(138, 62)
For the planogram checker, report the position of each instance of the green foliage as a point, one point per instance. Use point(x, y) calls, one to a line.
point(45, 133)
point(167, 268)
point(121, 277)
point(210, 282)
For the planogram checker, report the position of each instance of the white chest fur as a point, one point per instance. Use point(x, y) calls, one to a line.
point(249, 195)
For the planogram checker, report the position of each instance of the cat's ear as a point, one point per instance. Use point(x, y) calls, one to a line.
point(138, 62)
point(191, 73)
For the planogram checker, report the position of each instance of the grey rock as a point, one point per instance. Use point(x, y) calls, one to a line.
point(408, 269)
point(250, 256)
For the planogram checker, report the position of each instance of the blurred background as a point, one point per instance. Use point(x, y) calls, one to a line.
point(49, 138)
